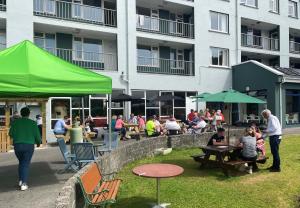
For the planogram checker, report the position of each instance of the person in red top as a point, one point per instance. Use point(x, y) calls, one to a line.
point(191, 115)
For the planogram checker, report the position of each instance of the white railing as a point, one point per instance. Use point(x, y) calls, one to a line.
point(85, 59)
point(294, 47)
point(260, 42)
point(165, 66)
point(75, 12)
point(165, 27)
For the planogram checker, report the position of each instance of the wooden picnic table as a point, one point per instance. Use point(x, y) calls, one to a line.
point(131, 125)
point(221, 152)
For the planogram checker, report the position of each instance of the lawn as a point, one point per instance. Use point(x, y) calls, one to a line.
point(210, 188)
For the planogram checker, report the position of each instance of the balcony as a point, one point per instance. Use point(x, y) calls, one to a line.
point(259, 42)
point(294, 47)
point(75, 12)
point(85, 59)
point(3, 5)
point(164, 26)
point(165, 66)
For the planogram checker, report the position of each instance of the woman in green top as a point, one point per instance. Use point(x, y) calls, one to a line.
point(25, 134)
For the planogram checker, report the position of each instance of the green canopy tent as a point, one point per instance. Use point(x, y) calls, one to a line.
point(231, 96)
point(29, 73)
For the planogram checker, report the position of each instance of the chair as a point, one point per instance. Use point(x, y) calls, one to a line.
point(68, 157)
point(287, 116)
point(114, 143)
point(246, 118)
point(295, 118)
point(84, 153)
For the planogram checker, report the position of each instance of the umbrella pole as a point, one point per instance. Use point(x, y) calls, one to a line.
point(109, 121)
point(230, 115)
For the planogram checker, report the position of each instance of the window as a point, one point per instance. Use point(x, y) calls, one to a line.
point(274, 6)
point(60, 107)
point(87, 49)
point(292, 107)
point(219, 57)
point(45, 41)
point(251, 3)
point(86, 12)
point(138, 106)
point(148, 56)
point(219, 22)
point(293, 8)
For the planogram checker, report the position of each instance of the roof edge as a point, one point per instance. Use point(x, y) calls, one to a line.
point(270, 69)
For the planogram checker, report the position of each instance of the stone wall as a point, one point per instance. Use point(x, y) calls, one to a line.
point(70, 196)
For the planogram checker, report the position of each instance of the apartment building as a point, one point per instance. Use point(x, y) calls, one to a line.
point(152, 48)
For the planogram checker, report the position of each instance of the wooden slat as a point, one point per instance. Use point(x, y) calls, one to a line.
point(44, 120)
point(4, 141)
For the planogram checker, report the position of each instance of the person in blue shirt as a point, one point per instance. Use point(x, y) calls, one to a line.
point(61, 127)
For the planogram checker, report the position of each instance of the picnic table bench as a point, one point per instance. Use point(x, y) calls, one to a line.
point(96, 191)
point(221, 152)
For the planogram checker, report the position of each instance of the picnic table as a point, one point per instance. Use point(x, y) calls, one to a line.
point(158, 171)
point(221, 152)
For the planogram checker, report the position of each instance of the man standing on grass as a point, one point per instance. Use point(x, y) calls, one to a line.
point(274, 131)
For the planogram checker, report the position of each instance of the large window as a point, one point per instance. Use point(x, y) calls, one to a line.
point(152, 105)
point(60, 107)
point(45, 41)
point(138, 106)
point(293, 8)
point(274, 6)
point(148, 56)
point(179, 105)
point(219, 57)
point(166, 107)
point(292, 107)
point(117, 108)
point(219, 22)
point(251, 3)
point(87, 49)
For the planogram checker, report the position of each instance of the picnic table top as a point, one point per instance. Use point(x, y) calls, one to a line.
point(220, 148)
point(130, 125)
point(158, 170)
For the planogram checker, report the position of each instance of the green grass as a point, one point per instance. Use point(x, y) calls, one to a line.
point(210, 188)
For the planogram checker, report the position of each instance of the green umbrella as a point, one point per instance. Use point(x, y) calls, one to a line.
point(232, 96)
point(200, 97)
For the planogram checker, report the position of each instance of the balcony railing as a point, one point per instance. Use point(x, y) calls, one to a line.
point(85, 59)
point(294, 47)
point(260, 42)
point(165, 27)
point(165, 66)
point(75, 12)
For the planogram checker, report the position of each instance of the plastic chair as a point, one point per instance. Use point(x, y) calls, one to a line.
point(69, 158)
point(84, 153)
point(114, 143)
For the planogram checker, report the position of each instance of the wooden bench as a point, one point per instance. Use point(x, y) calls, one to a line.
point(98, 193)
point(198, 158)
point(66, 138)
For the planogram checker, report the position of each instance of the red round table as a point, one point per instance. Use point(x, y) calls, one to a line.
point(158, 171)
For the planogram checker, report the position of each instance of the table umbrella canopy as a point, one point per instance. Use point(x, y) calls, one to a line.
point(124, 97)
point(28, 71)
point(199, 98)
point(232, 96)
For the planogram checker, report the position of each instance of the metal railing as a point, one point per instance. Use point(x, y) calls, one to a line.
point(85, 59)
point(165, 66)
point(164, 26)
point(2, 7)
point(294, 47)
point(260, 42)
point(75, 12)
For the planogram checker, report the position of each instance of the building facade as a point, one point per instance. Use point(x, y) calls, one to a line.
point(157, 47)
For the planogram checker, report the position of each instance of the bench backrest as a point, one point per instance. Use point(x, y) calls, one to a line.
point(91, 179)
point(63, 148)
point(84, 151)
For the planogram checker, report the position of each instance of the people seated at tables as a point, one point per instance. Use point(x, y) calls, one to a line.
point(141, 123)
point(260, 143)
point(151, 128)
point(120, 127)
point(172, 126)
point(221, 116)
point(201, 114)
point(191, 116)
point(207, 115)
point(199, 127)
point(248, 145)
point(158, 126)
point(61, 127)
point(213, 124)
point(132, 119)
point(218, 138)
point(90, 126)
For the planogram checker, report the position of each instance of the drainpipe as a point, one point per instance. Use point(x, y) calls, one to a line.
point(280, 99)
point(127, 104)
point(237, 30)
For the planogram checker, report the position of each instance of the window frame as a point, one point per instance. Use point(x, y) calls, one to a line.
point(219, 49)
point(219, 15)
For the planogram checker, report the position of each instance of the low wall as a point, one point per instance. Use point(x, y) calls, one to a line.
point(70, 196)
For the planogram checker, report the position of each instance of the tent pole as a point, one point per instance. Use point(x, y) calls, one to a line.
point(7, 124)
point(82, 108)
point(109, 121)
point(43, 110)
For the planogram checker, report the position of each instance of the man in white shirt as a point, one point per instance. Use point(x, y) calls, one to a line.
point(274, 132)
point(171, 124)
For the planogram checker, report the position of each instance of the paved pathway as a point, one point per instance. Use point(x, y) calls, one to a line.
point(44, 181)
